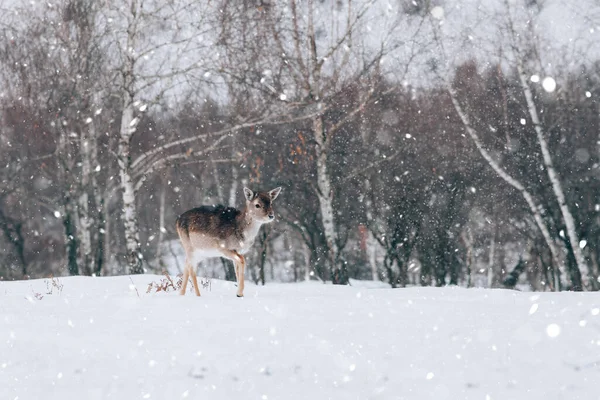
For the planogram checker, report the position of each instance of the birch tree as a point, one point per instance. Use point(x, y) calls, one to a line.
point(475, 137)
point(515, 183)
point(548, 162)
point(299, 57)
point(154, 57)
point(59, 74)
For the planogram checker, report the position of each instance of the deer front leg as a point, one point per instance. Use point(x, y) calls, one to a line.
point(194, 281)
point(241, 267)
point(239, 262)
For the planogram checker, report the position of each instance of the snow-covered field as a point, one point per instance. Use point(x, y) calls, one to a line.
point(99, 339)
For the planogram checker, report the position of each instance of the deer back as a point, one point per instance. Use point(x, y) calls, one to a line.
point(217, 222)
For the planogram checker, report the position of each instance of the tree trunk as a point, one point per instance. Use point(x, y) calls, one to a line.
point(372, 255)
point(99, 229)
point(557, 265)
point(575, 270)
point(132, 237)
point(13, 232)
point(101, 237)
point(263, 255)
point(388, 264)
point(68, 207)
point(104, 232)
point(491, 261)
point(467, 238)
point(440, 259)
point(218, 182)
point(402, 271)
point(127, 129)
point(371, 240)
point(161, 224)
point(161, 230)
point(307, 263)
point(594, 268)
point(229, 270)
point(70, 237)
point(325, 196)
point(85, 218)
point(513, 278)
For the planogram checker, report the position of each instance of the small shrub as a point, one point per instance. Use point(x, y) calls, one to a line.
point(54, 285)
point(167, 284)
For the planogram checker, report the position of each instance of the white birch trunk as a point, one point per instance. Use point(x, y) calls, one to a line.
point(372, 255)
point(127, 129)
point(325, 192)
point(68, 207)
point(85, 218)
point(99, 233)
point(132, 238)
point(307, 263)
point(107, 249)
point(371, 241)
point(234, 183)
point(559, 268)
point(161, 230)
point(552, 175)
point(467, 238)
point(218, 181)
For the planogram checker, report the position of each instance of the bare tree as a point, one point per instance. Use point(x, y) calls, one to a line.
point(137, 41)
point(300, 59)
point(58, 76)
point(555, 180)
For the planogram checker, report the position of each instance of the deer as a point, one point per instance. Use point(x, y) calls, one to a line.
point(219, 231)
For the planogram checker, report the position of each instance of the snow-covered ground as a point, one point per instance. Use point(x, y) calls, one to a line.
point(105, 338)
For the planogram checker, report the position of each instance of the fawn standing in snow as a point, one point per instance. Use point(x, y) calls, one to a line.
point(219, 231)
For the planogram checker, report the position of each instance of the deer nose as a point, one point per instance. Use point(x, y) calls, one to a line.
point(271, 216)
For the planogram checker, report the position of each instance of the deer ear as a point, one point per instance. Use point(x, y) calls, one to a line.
point(249, 194)
point(274, 193)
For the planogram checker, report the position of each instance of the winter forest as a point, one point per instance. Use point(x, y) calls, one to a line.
point(417, 142)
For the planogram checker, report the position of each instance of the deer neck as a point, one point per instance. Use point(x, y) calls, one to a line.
point(250, 226)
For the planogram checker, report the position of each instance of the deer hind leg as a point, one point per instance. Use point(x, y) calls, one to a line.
point(237, 272)
point(187, 269)
point(194, 281)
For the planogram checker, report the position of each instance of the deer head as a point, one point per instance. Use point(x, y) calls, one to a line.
point(259, 205)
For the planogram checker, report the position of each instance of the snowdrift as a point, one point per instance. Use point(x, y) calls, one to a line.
point(101, 338)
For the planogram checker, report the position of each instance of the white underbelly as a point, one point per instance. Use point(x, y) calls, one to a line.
point(204, 254)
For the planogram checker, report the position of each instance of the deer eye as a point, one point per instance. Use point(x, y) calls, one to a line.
point(258, 206)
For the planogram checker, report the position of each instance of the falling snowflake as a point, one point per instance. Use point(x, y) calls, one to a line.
point(553, 330)
point(437, 12)
point(549, 84)
point(533, 309)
